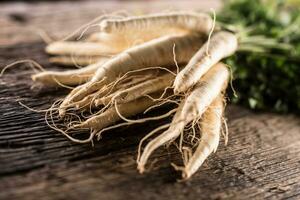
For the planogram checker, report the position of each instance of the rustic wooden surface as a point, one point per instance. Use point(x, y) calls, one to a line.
point(262, 159)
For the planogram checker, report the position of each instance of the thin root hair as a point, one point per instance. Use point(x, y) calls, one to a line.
point(143, 119)
point(231, 81)
point(211, 31)
point(147, 136)
point(35, 64)
point(92, 22)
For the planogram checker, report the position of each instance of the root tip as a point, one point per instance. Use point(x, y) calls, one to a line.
point(51, 48)
point(33, 78)
point(185, 175)
point(141, 168)
point(76, 126)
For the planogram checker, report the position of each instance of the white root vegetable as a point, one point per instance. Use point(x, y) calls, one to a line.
point(82, 48)
point(111, 116)
point(90, 100)
point(122, 40)
point(70, 77)
point(160, 24)
point(147, 54)
point(103, 44)
point(210, 125)
point(192, 108)
point(113, 39)
point(98, 44)
point(174, 130)
point(136, 58)
point(139, 90)
point(221, 45)
point(132, 66)
point(76, 60)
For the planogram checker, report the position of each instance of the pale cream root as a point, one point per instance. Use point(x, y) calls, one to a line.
point(191, 108)
point(76, 60)
point(158, 52)
point(160, 24)
point(173, 131)
point(210, 126)
point(134, 38)
point(110, 116)
point(130, 66)
point(82, 48)
point(139, 90)
point(90, 101)
point(221, 45)
point(206, 90)
point(69, 77)
point(113, 39)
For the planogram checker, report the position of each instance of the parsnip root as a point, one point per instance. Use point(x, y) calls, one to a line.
point(70, 77)
point(82, 49)
point(222, 44)
point(132, 66)
point(162, 24)
point(210, 126)
point(110, 116)
point(76, 60)
point(139, 90)
point(136, 58)
point(208, 88)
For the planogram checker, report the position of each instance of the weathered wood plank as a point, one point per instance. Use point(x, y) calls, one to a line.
point(262, 159)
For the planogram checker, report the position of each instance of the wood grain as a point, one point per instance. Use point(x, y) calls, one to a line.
point(261, 160)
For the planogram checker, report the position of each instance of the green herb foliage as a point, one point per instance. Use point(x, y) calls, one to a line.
point(266, 69)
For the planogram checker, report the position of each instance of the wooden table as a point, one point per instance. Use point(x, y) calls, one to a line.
point(261, 160)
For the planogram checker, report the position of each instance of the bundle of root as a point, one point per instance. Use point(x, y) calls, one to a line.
point(136, 64)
